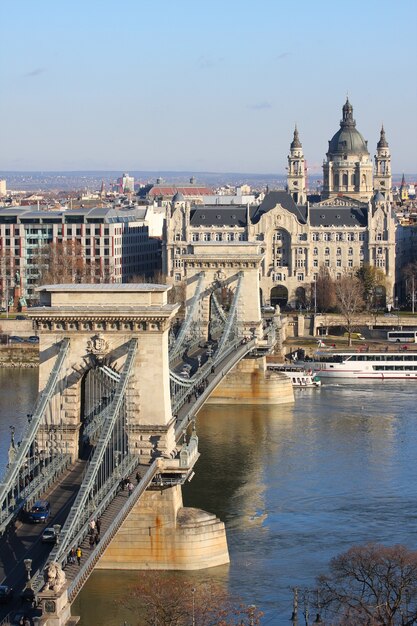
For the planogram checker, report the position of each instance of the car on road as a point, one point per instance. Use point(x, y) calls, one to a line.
point(40, 512)
point(21, 317)
point(6, 594)
point(49, 535)
point(15, 339)
point(32, 339)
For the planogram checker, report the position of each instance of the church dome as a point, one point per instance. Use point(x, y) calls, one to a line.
point(178, 197)
point(347, 140)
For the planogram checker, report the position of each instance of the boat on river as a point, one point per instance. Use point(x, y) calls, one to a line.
point(361, 365)
point(300, 376)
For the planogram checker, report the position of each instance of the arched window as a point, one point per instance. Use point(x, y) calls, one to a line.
point(218, 237)
point(327, 251)
point(338, 251)
point(315, 251)
point(379, 250)
point(350, 252)
point(300, 251)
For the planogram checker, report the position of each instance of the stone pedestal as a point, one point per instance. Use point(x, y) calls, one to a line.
point(160, 534)
point(56, 609)
point(250, 383)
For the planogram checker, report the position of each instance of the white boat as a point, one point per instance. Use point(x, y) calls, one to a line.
point(300, 376)
point(361, 365)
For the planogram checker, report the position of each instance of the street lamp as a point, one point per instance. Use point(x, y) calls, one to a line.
point(57, 530)
point(28, 567)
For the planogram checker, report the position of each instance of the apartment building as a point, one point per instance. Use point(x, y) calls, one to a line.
point(114, 243)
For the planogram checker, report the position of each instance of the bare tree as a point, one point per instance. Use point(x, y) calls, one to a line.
point(65, 262)
point(324, 294)
point(371, 585)
point(171, 600)
point(349, 298)
point(409, 275)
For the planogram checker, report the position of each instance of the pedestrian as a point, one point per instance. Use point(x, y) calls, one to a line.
point(98, 525)
point(137, 478)
point(92, 528)
point(79, 554)
point(91, 541)
point(130, 488)
point(97, 539)
point(71, 556)
point(122, 484)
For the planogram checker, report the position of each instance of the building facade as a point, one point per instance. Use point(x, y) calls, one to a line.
point(114, 244)
point(351, 225)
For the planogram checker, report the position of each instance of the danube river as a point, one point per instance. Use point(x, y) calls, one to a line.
point(295, 485)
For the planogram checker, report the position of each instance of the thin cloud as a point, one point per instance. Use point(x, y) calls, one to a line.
point(283, 55)
point(35, 72)
point(205, 62)
point(259, 106)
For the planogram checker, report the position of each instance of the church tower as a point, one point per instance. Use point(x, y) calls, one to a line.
point(382, 175)
point(348, 169)
point(403, 190)
point(296, 179)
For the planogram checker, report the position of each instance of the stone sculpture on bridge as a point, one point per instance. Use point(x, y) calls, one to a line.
point(54, 577)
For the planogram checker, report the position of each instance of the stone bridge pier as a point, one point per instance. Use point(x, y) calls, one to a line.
point(100, 322)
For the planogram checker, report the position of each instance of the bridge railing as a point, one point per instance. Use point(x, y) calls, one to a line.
point(10, 487)
point(85, 570)
point(224, 365)
point(86, 492)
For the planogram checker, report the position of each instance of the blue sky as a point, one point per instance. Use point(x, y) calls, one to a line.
point(209, 85)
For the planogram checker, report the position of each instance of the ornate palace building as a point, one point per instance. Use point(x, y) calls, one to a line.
point(351, 224)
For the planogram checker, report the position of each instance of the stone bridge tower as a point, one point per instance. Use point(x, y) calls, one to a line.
point(99, 321)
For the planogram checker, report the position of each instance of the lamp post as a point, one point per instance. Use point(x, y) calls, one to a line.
point(57, 530)
point(28, 567)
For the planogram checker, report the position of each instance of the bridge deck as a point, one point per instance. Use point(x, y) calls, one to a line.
point(23, 540)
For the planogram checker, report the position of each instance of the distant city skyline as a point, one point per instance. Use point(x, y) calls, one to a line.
point(201, 87)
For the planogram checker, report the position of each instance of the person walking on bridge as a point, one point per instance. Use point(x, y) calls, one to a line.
point(79, 555)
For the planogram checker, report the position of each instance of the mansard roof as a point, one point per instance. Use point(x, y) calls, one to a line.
point(331, 216)
point(220, 215)
point(284, 199)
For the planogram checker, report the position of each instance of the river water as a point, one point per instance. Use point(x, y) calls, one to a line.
point(295, 486)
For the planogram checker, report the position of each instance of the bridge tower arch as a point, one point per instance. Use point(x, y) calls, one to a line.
point(221, 264)
point(99, 321)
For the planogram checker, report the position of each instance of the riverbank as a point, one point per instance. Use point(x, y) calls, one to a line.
point(19, 355)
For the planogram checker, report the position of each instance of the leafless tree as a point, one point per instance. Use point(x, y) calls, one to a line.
point(172, 600)
point(409, 275)
point(371, 585)
point(65, 262)
point(349, 298)
point(324, 291)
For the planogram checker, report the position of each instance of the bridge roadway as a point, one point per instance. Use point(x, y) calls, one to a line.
point(23, 540)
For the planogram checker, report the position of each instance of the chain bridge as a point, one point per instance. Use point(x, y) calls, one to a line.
point(112, 436)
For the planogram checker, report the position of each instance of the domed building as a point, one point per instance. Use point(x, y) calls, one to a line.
point(348, 169)
point(349, 226)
